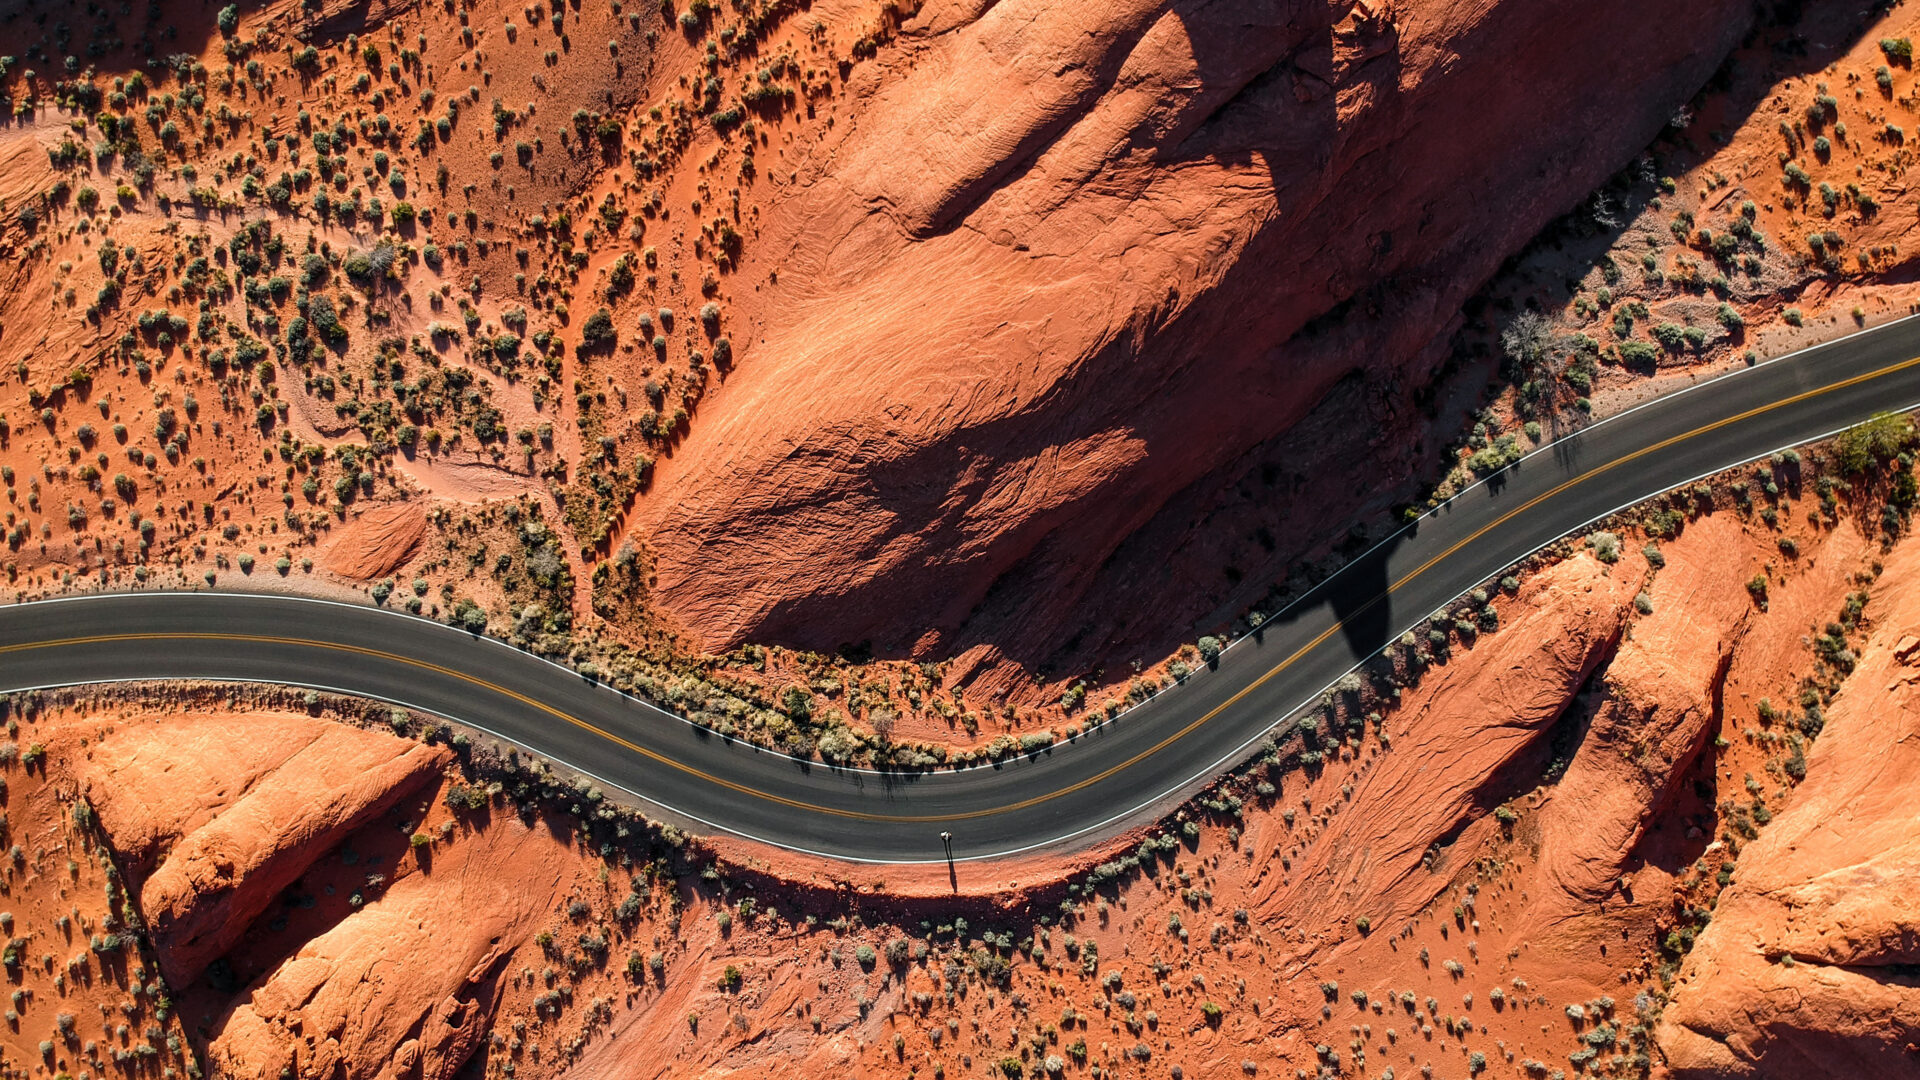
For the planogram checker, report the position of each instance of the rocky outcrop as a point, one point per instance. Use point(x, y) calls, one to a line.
point(407, 986)
point(1162, 235)
point(1471, 736)
point(1806, 969)
point(1654, 711)
point(236, 839)
point(380, 540)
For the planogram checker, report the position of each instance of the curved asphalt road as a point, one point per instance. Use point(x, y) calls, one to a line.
point(1112, 776)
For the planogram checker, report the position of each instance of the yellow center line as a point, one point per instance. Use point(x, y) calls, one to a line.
point(484, 684)
point(1035, 800)
point(1430, 563)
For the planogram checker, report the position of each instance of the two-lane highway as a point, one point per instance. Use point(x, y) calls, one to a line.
point(1104, 780)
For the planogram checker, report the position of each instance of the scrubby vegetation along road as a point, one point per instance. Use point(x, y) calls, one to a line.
point(1049, 792)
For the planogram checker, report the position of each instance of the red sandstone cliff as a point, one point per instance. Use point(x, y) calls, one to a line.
point(1807, 967)
point(1062, 273)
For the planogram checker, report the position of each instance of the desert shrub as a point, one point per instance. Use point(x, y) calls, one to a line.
point(322, 316)
point(1638, 354)
point(1506, 449)
point(598, 332)
point(468, 616)
point(1878, 439)
point(1606, 546)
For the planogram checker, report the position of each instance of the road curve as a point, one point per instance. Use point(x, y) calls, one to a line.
point(1103, 780)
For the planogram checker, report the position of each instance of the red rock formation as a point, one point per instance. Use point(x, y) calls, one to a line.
point(1069, 262)
point(1804, 970)
point(406, 987)
point(1469, 738)
point(240, 835)
point(1657, 707)
point(378, 541)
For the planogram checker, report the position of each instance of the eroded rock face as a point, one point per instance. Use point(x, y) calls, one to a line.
point(1655, 710)
point(406, 987)
point(1470, 737)
point(1071, 264)
point(241, 811)
point(378, 541)
point(1806, 968)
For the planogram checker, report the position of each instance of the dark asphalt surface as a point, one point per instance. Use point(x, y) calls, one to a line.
point(1117, 774)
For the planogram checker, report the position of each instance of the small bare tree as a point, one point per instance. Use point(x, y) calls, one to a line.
point(1525, 339)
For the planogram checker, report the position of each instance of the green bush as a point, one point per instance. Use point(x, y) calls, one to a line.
point(1606, 546)
point(1496, 455)
point(598, 332)
point(322, 315)
point(468, 616)
point(1638, 354)
point(1880, 438)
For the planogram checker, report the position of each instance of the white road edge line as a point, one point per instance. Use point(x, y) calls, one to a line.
point(1206, 774)
point(1085, 729)
point(1168, 795)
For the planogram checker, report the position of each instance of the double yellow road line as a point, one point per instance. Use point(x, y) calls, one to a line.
point(1023, 804)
